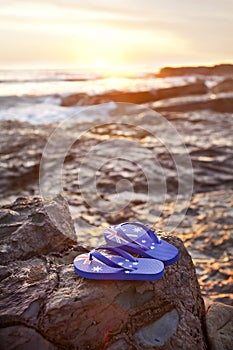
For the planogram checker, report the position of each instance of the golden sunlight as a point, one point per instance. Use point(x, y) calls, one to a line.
point(101, 63)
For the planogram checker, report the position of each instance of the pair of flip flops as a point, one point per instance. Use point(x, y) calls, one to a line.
point(119, 264)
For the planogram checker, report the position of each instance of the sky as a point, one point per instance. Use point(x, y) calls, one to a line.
point(115, 33)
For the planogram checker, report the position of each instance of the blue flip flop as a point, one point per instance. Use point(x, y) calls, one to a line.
point(123, 266)
point(137, 238)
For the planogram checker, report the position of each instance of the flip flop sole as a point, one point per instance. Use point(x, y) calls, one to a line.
point(147, 269)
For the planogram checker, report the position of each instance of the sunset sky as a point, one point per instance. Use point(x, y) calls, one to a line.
point(104, 33)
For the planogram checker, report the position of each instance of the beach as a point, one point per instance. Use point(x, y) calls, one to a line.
point(130, 153)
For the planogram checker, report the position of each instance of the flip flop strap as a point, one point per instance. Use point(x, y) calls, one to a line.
point(128, 239)
point(119, 252)
point(109, 262)
point(148, 230)
point(135, 248)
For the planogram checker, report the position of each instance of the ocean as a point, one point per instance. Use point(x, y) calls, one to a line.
point(35, 95)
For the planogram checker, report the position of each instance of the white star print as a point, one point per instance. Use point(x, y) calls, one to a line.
point(97, 269)
point(137, 229)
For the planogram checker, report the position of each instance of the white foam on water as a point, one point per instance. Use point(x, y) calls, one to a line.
point(45, 113)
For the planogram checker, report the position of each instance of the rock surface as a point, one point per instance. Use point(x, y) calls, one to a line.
point(23, 338)
point(44, 301)
point(34, 227)
point(220, 69)
point(21, 146)
point(219, 321)
point(207, 226)
point(137, 97)
point(225, 85)
point(222, 104)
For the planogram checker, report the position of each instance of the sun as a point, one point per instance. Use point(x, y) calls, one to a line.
point(101, 63)
point(109, 68)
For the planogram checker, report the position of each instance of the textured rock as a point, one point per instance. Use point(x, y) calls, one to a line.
point(34, 227)
point(220, 69)
point(157, 333)
point(23, 338)
point(219, 321)
point(21, 146)
point(207, 226)
point(44, 300)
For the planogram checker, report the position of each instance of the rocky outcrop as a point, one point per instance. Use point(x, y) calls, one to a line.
point(218, 104)
point(197, 88)
point(225, 85)
point(219, 321)
point(34, 227)
point(136, 97)
point(44, 301)
point(220, 69)
point(207, 226)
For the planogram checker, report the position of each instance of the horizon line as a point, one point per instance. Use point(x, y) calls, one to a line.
point(121, 67)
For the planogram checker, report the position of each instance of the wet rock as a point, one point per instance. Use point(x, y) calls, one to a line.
point(136, 97)
point(116, 96)
point(224, 86)
point(34, 227)
point(206, 231)
point(73, 99)
point(218, 104)
point(220, 69)
point(197, 88)
point(21, 146)
point(62, 310)
point(219, 321)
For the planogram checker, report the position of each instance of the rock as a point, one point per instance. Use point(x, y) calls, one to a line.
point(34, 227)
point(218, 104)
point(224, 86)
point(153, 336)
point(197, 88)
point(136, 97)
point(220, 69)
point(206, 231)
point(73, 99)
point(23, 338)
point(44, 300)
point(116, 96)
point(21, 146)
point(219, 321)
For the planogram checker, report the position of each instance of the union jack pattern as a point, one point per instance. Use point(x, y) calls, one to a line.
point(86, 259)
point(114, 234)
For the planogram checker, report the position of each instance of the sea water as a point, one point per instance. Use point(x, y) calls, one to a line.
point(35, 95)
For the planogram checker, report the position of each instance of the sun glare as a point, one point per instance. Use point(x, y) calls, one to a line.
point(101, 63)
point(109, 68)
